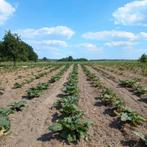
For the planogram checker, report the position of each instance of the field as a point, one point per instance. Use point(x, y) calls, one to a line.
point(75, 104)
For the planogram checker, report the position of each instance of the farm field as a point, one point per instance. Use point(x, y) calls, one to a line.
point(75, 104)
point(73, 73)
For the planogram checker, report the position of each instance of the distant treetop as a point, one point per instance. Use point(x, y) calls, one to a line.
point(12, 48)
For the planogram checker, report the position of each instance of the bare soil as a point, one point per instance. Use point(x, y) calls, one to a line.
point(124, 74)
point(16, 94)
point(9, 79)
point(27, 127)
point(129, 98)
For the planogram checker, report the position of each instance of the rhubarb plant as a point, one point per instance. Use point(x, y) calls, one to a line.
point(4, 125)
point(130, 116)
point(71, 129)
point(142, 137)
point(17, 106)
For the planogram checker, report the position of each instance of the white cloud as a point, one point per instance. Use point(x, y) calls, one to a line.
point(90, 47)
point(106, 35)
point(51, 43)
point(143, 35)
point(6, 10)
point(132, 13)
point(119, 43)
point(47, 31)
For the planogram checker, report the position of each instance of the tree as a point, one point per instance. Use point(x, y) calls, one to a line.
point(1, 50)
point(143, 58)
point(32, 55)
point(70, 58)
point(13, 48)
point(44, 59)
point(11, 45)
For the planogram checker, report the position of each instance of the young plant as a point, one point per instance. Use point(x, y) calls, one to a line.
point(71, 89)
point(17, 106)
point(127, 83)
point(33, 92)
point(131, 117)
point(42, 86)
point(17, 85)
point(65, 101)
point(54, 79)
point(118, 106)
point(142, 137)
point(139, 90)
point(4, 124)
point(5, 111)
point(72, 129)
point(108, 97)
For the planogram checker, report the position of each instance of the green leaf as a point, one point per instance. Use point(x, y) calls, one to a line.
point(56, 127)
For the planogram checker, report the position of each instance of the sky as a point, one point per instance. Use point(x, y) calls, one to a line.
point(93, 29)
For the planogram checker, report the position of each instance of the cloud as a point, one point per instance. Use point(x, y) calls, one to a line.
point(143, 35)
point(119, 43)
point(132, 13)
point(90, 47)
point(51, 43)
point(106, 35)
point(47, 31)
point(6, 10)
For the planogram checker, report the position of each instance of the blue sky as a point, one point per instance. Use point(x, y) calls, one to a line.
point(94, 29)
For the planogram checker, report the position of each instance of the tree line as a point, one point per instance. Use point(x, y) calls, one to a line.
point(12, 48)
point(70, 58)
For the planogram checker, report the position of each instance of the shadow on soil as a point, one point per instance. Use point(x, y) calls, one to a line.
point(110, 112)
point(143, 100)
point(47, 137)
point(132, 143)
point(61, 95)
point(99, 104)
point(116, 124)
point(28, 98)
point(52, 136)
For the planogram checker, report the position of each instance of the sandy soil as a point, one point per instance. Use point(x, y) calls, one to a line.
point(103, 133)
point(8, 79)
point(29, 128)
point(16, 94)
point(29, 125)
point(131, 100)
point(124, 74)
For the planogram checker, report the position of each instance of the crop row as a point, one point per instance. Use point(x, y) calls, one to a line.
point(34, 77)
point(70, 125)
point(36, 91)
point(4, 112)
point(17, 106)
point(118, 109)
point(132, 85)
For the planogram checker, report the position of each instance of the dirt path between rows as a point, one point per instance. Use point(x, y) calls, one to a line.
point(130, 100)
point(102, 134)
point(29, 125)
point(16, 94)
point(124, 75)
point(8, 79)
point(127, 73)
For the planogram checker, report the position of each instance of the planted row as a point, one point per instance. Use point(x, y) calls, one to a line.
point(36, 91)
point(70, 125)
point(133, 85)
point(4, 112)
point(118, 108)
point(31, 79)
